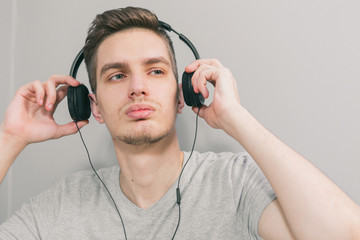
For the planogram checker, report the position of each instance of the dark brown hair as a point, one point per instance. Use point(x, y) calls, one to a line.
point(117, 20)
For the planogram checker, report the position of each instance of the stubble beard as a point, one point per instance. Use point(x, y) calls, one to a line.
point(144, 136)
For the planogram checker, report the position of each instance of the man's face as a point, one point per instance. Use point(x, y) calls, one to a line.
point(136, 88)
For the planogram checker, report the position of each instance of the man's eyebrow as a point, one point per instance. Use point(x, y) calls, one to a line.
point(154, 60)
point(121, 65)
point(115, 65)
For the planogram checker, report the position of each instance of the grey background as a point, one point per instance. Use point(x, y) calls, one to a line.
point(297, 65)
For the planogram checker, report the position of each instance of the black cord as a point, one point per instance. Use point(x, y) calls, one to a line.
point(112, 199)
point(178, 194)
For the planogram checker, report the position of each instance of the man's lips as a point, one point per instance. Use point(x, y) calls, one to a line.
point(139, 111)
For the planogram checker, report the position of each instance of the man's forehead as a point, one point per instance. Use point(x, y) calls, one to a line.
point(133, 44)
point(136, 37)
point(133, 41)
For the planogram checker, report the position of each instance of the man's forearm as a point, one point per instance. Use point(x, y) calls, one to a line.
point(10, 148)
point(312, 204)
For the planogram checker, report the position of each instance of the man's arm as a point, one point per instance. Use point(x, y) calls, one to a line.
point(309, 205)
point(29, 118)
point(10, 147)
point(314, 207)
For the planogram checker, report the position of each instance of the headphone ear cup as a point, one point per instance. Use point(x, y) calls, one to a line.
point(191, 98)
point(79, 103)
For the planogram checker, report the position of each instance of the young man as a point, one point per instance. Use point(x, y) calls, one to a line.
point(132, 71)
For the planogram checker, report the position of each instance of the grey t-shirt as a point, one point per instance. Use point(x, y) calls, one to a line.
point(222, 197)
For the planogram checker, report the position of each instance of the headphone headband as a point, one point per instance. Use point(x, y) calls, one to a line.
point(80, 56)
point(78, 101)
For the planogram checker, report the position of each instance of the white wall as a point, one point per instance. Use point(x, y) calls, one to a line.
point(297, 64)
point(6, 84)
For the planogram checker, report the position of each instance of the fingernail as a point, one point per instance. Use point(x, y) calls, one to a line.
point(49, 106)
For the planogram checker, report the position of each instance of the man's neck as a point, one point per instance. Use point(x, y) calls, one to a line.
point(148, 172)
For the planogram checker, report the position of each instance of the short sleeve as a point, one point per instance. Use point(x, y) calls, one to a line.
point(36, 217)
point(252, 193)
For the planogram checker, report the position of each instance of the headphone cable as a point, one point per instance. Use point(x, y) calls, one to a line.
point(112, 199)
point(178, 194)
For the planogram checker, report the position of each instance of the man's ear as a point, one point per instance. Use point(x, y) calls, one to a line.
point(95, 108)
point(181, 102)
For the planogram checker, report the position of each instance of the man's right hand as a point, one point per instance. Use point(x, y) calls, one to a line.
point(29, 118)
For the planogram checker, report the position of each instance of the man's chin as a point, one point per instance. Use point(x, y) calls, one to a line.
point(144, 137)
point(140, 140)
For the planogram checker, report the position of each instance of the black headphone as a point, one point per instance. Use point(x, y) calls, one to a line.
point(78, 100)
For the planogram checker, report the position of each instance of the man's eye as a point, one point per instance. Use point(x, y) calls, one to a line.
point(157, 72)
point(117, 77)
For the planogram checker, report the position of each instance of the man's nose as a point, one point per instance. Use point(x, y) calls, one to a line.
point(138, 86)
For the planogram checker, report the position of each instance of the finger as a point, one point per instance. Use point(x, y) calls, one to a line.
point(64, 79)
point(51, 85)
point(61, 93)
point(201, 112)
point(202, 75)
point(39, 92)
point(69, 128)
point(33, 92)
point(195, 78)
point(195, 64)
point(50, 91)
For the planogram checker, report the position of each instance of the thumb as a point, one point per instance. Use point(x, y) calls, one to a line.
point(69, 128)
point(200, 111)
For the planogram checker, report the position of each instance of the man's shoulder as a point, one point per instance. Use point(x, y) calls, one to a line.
point(215, 164)
point(89, 176)
point(78, 183)
point(221, 157)
point(76, 186)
